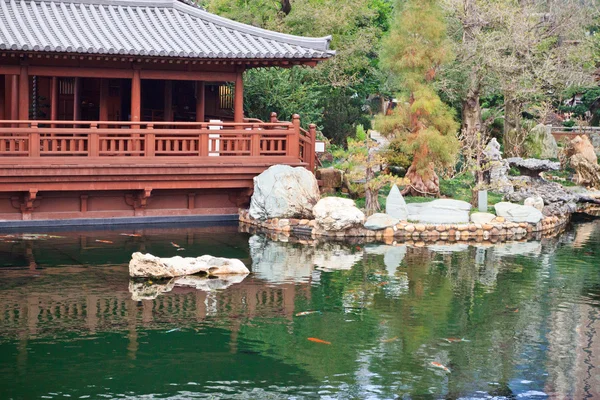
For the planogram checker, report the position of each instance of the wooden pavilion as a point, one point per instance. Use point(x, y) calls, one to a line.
point(122, 108)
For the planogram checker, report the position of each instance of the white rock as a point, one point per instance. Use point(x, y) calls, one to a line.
point(284, 192)
point(518, 213)
point(535, 202)
point(337, 214)
point(441, 211)
point(149, 266)
point(395, 205)
point(482, 218)
point(380, 221)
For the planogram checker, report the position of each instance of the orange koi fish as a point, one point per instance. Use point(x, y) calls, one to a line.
point(104, 241)
point(438, 365)
point(304, 313)
point(175, 245)
point(455, 340)
point(312, 339)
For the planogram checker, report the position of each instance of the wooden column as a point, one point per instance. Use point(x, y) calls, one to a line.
point(14, 97)
point(238, 102)
point(77, 99)
point(54, 99)
point(136, 96)
point(168, 100)
point(200, 101)
point(103, 114)
point(2, 94)
point(24, 93)
point(293, 149)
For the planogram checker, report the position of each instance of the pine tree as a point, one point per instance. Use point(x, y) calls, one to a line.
point(413, 52)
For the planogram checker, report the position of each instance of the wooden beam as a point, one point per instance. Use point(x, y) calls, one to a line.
point(10, 69)
point(81, 72)
point(103, 114)
point(136, 96)
point(238, 102)
point(168, 111)
point(206, 76)
point(24, 93)
point(200, 101)
point(77, 99)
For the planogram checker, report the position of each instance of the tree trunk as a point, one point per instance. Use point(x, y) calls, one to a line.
point(471, 114)
point(513, 135)
point(286, 6)
point(427, 184)
point(371, 196)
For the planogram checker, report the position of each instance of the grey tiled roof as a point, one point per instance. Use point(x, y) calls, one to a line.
point(168, 28)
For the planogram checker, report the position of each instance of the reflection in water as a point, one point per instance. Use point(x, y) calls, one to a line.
point(510, 320)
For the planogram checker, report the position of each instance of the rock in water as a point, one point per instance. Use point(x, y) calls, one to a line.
point(337, 214)
point(149, 266)
point(540, 143)
point(380, 221)
point(441, 211)
point(535, 202)
point(395, 205)
point(518, 213)
point(284, 192)
point(482, 218)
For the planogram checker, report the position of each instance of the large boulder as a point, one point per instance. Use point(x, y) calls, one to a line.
point(149, 266)
point(535, 202)
point(482, 217)
point(518, 213)
point(441, 211)
point(380, 221)
point(532, 166)
point(284, 192)
point(540, 143)
point(331, 179)
point(582, 145)
point(337, 214)
point(395, 205)
point(595, 140)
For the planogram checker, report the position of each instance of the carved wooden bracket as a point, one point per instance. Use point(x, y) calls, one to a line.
point(140, 200)
point(241, 198)
point(28, 202)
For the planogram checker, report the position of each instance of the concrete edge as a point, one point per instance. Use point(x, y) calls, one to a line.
point(103, 222)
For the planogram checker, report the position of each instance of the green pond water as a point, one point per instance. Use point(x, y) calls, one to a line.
point(511, 321)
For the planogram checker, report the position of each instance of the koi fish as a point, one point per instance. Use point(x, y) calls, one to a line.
point(131, 234)
point(390, 340)
point(104, 241)
point(438, 365)
point(312, 339)
point(175, 245)
point(173, 330)
point(304, 313)
point(455, 340)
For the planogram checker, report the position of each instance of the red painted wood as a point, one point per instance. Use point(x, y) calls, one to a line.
point(24, 93)
point(2, 96)
point(238, 102)
point(200, 101)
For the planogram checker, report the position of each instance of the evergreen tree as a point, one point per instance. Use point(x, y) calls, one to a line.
point(425, 126)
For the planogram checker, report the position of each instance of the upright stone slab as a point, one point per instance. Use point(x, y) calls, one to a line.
point(395, 205)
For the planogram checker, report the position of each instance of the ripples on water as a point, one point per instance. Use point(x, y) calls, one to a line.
point(517, 320)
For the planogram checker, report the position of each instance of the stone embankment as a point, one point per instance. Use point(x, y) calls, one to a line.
point(498, 229)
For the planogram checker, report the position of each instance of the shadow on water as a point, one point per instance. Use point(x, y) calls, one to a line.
point(514, 320)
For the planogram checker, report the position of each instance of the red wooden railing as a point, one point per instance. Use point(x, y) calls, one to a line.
point(36, 139)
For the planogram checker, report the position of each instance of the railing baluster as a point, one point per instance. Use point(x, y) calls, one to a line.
point(150, 146)
point(34, 141)
point(93, 141)
point(203, 141)
point(293, 148)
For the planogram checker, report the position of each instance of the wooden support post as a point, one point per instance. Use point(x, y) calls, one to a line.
point(2, 94)
point(136, 96)
point(24, 92)
point(94, 141)
point(312, 135)
point(54, 99)
point(150, 141)
point(14, 97)
point(293, 149)
point(255, 141)
point(103, 114)
point(200, 101)
point(168, 101)
point(34, 141)
point(238, 102)
point(136, 105)
point(77, 99)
